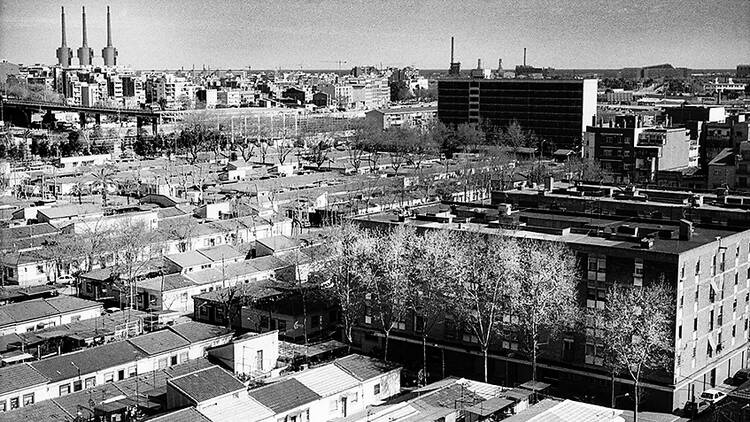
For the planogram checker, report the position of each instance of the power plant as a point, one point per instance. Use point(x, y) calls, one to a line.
point(85, 53)
point(64, 53)
point(109, 53)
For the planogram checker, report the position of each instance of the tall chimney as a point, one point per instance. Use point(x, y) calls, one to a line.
point(64, 53)
point(109, 53)
point(524, 56)
point(109, 30)
point(451, 49)
point(84, 52)
point(83, 13)
point(479, 63)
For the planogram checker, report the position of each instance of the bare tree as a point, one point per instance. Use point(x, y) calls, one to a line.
point(428, 275)
point(345, 251)
point(637, 331)
point(196, 134)
point(386, 279)
point(485, 268)
point(134, 245)
point(545, 298)
point(584, 170)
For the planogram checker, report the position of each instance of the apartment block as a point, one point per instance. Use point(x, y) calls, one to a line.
point(557, 111)
point(707, 265)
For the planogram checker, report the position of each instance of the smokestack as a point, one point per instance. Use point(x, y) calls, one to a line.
point(64, 53)
point(451, 49)
point(479, 63)
point(109, 30)
point(62, 18)
point(85, 42)
point(109, 53)
point(84, 52)
point(524, 56)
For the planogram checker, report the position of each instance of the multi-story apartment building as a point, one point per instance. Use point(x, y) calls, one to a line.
point(386, 118)
point(707, 266)
point(557, 111)
point(629, 152)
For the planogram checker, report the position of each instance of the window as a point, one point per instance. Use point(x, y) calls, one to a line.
point(259, 360)
point(162, 363)
point(28, 399)
point(282, 325)
point(173, 360)
point(376, 389)
point(14, 403)
point(120, 375)
point(2, 406)
point(132, 371)
point(316, 321)
point(679, 332)
point(90, 382)
point(734, 330)
point(698, 267)
point(418, 323)
point(695, 324)
point(64, 389)
point(109, 377)
point(77, 385)
point(333, 405)
point(264, 322)
point(183, 357)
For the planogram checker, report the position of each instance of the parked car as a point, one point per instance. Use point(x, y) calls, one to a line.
point(66, 279)
point(713, 396)
point(695, 408)
point(741, 376)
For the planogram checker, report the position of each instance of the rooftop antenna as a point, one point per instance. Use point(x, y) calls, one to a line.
point(451, 49)
point(524, 57)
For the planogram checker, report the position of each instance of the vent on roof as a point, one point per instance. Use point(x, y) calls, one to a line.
point(647, 243)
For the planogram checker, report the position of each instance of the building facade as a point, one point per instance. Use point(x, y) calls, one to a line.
point(556, 111)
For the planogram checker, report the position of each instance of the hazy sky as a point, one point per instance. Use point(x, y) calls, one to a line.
point(316, 34)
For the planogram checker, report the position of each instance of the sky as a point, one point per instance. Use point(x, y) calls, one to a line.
point(316, 34)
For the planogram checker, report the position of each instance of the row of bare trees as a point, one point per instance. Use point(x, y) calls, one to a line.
point(493, 288)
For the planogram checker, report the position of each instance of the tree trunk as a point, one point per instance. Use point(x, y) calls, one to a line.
point(484, 354)
point(534, 347)
point(635, 410)
point(385, 351)
point(612, 379)
point(442, 362)
point(424, 359)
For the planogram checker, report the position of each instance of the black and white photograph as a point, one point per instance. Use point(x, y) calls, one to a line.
point(375, 211)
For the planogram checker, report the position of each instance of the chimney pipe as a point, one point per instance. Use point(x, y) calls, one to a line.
point(451, 49)
point(109, 30)
point(524, 56)
point(479, 63)
point(64, 42)
point(83, 13)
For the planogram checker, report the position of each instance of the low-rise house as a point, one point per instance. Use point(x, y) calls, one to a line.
point(345, 386)
point(250, 356)
point(190, 261)
point(111, 362)
point(37, 314)
point(20, 385)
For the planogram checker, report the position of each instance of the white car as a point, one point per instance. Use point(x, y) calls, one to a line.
point(713, 396)
point(66, 279)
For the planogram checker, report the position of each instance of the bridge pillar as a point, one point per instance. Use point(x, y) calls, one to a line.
point(98, 118)
point(82, 119)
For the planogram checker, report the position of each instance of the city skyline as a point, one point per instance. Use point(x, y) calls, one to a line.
point(317, 34)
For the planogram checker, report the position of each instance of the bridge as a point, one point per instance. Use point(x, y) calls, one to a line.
point(30, 106)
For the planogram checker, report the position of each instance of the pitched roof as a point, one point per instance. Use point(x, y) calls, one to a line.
point(185, 415)
point(280, 243)
point(19, 376)
point(225, 252)
point(90, 360)
point(197, 331)
point(159, 342)
point(68, 211)
point(250, 409)
point(189, 259)
point(45, 411)
point(30, 310)
point(363, 367)
point(284, 395)
point(207, 384)
point(326, 380)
